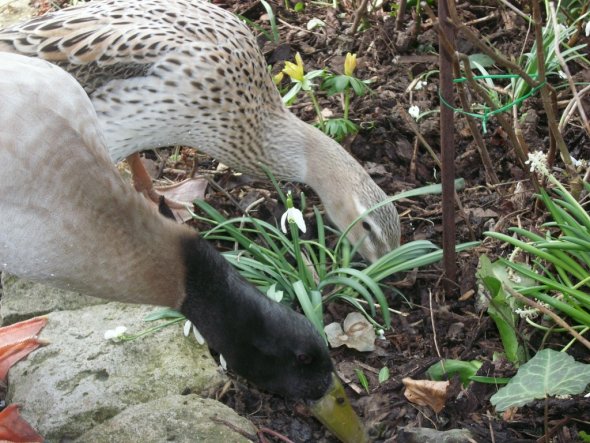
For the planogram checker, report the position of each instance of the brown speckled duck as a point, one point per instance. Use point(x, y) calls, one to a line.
point(186, 72)
point(69, 220)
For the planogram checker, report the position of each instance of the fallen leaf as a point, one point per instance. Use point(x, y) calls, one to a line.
point(427, 392)
point(357, 334)
point(184, 192)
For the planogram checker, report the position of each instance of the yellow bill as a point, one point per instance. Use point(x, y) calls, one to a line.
point(334, 411)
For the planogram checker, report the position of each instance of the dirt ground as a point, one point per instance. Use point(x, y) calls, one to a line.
point(387, 148)
point(436, 325)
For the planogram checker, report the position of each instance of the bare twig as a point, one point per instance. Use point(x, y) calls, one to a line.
point(521, 151)
point(401, 12)
point(358, 15)
point(412, 125)
point(569, 109)
point(565, 69)
point(516, 10)
point(434, 338)
point(546, 99)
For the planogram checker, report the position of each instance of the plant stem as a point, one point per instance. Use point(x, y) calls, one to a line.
point(346, 102)
point(318, 111)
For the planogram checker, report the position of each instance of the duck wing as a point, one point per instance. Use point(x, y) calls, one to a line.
point(101, 41)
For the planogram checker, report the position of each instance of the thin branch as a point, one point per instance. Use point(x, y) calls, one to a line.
point(358, 15)
point(566, 70)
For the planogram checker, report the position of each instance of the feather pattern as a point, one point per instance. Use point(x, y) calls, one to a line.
point(186, 72)
point(69, 220)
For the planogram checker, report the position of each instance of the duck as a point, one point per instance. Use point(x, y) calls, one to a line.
point(187, 72)
point(69, 220)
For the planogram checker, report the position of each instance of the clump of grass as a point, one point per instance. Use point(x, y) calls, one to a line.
point(552, 278)
point(310, 272)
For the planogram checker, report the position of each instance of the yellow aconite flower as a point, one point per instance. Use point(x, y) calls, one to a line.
point(349, 64)
point(277, 79)
point(295, 70)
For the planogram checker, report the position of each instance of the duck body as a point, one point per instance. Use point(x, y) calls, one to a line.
point(67, 219)
point(187, 72)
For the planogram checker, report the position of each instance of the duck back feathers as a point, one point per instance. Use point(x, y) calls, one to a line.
point(180, 72)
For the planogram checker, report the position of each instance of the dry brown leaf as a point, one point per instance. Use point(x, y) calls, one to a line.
point(427, 393)
point(357, 334)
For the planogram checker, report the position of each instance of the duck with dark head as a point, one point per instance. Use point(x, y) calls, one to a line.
point(67, 219)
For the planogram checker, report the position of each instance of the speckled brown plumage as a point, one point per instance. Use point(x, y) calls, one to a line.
point(185, 72)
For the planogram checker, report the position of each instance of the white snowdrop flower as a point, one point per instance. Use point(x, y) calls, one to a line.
point(113, 334)
point(420, 84)
point(222, 362)
point(293, 215)
point(587, 29)
point(414, 111)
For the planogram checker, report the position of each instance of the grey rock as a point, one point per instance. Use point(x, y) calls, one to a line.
point(428, 435)
point(177, 418)
point(81, 380)
point(22, 299)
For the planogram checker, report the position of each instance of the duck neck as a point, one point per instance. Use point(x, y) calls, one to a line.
point(146, 263)
point(324, 165)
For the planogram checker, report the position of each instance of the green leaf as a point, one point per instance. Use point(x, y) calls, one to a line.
point(359, 87)
point(383, 374)
point(548, 373)
point(448, 368)
point(274, 294)
point(500, 309)
point(481, 59)
point(273, 21)
point(312, 307)
point(335, 84)
point(162, 314)
point(362, 379)
point(490, 380)
point(289, 96)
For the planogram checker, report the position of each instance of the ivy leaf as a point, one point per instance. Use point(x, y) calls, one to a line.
point(548, 373)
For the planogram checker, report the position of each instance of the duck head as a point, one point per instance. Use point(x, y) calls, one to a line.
point(265, 342)
point(378, 232)
point(344, 186)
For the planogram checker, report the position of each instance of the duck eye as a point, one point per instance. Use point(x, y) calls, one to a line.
point(304, 358)
point(366, 226)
